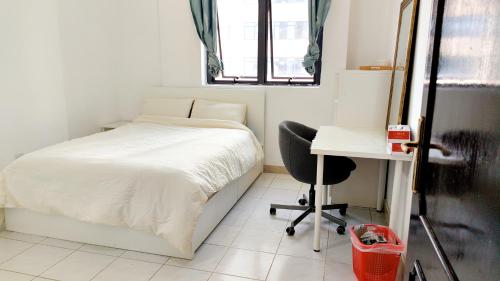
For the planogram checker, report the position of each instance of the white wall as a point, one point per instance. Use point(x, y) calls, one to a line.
point(180, 47)
point(137, 49)
point(59, 71)
point(32, 101)
point(88, 36)
point(372, 32)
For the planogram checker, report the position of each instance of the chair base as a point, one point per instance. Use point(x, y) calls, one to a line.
point(311, 208)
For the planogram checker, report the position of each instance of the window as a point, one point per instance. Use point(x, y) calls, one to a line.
point(263, 42)
point(251, 31)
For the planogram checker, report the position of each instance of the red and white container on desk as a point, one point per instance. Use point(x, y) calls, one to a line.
point(396, 135)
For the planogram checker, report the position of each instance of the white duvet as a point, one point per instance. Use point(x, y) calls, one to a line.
point(154, 174)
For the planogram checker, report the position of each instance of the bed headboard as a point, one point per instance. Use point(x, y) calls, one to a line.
point(255, 100)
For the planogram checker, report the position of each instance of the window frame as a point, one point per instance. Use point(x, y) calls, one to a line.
point(265, 58)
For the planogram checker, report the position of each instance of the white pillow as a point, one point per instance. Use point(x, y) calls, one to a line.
point(205, 109)
point(168, 106)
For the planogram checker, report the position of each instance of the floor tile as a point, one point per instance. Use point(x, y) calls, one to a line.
point(246, 203)
point(128, 270)
point(283, 181)
point(10, 248)
point(280, 196)
point(262, 211)
point(22, 236)
point(78, 266)
point(36, 260)
point(244, 263)
point(255, 192)
point(206, 258)
point(223, 235)
point(243, 246)
point(42, 279)
point(262, 219)
point(339, 249)
point(62, 243)
point(174, 273)
point(296, 269)
point(264, 180)
point(339, 246)
point(270, 223)
point(102, 250)
point(14, 276)
point(378, 217)
point(301, 246)
point(236, 217)
point(355, 215)
point(223, 277)
point(258, 240)
point(339, 272)
point(144, 257)
point(306, 226)
point(304, 189)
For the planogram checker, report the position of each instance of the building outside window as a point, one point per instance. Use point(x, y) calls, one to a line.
point(263, 42)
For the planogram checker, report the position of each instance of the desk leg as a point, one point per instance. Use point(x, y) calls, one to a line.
point(382, 172)
point(395, 199)
point(318, 201)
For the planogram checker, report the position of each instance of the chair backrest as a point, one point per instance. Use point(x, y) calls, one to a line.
point(295, 147)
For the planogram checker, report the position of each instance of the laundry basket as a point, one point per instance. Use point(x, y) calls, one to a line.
point(377, 262)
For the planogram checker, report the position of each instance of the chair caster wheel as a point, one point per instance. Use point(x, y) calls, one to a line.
point(272, 211)
point(341, 230)
point(290, 231)
point(343, 211)
point(302, 202)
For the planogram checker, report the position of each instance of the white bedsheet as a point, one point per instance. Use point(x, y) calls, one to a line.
point(154, 174)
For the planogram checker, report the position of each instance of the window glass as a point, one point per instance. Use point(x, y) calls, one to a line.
point(289, 39)
point(238, 32)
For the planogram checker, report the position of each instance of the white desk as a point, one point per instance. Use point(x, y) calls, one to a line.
point(356, 143)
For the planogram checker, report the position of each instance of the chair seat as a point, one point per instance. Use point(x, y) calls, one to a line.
point(337, 170)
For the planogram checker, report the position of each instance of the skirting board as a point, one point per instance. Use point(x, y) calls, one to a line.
point(275, 169)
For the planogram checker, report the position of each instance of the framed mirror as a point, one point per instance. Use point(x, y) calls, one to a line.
point(403, 63)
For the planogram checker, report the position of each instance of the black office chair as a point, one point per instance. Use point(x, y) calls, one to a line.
point(295, 147)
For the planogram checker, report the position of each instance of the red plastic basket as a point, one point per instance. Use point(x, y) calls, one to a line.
point(377, 262)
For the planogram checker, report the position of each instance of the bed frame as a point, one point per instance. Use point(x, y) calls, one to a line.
point(23, 220)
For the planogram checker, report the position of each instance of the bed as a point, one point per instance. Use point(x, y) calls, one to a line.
point(158, 185)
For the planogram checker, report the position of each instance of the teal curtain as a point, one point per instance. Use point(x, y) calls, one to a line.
point(318, 10)
point(205, 19)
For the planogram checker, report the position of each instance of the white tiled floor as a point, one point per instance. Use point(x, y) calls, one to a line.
point(249, 244)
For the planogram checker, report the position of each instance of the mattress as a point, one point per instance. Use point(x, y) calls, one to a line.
point(153, 175)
